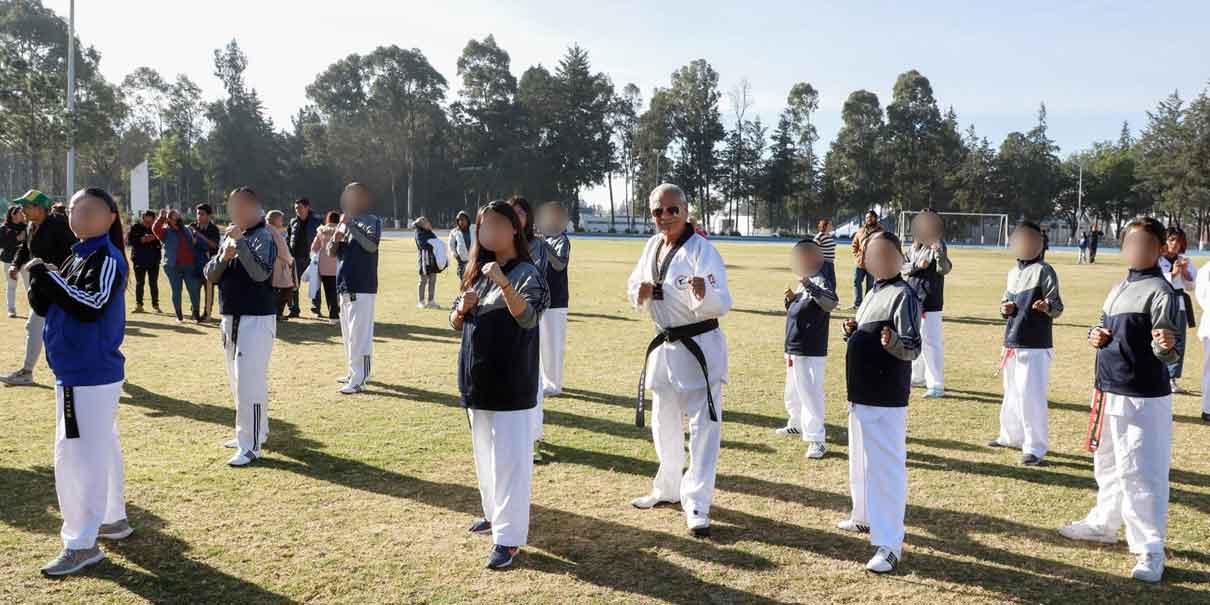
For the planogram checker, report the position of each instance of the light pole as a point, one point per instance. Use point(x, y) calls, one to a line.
point(71, 98)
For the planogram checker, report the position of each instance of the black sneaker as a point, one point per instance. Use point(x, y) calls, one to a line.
point(501, 556)
point(1030, 460)
point(700, 532)
point(480, 526)
point(294, 313)
point(1205, 417)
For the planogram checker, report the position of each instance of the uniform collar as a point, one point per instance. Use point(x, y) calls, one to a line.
point(888, 281)
point(1021, 264)
point(90, 245)
point(1139, 274)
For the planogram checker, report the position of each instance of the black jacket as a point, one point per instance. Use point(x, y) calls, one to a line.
point(51, 241)
point(9, 232)
point(143, 255)
point(299, 238)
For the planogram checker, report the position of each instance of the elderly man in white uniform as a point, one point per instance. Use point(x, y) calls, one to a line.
point(681, 281)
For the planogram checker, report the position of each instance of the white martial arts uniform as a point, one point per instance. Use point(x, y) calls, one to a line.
point(929, 367)
point(1202, 292)
point(357, 332)
point(553, 340)
point(929, 282)
point(89, 474)
point(878, 472)
point(675, 376)
point(1023, 413)
point(248, 373)
point(804, 395)
point(1131, 467)
point(504, 452)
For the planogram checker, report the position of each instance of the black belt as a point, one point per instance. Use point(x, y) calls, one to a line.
point(683, 335)
point(1192, 323)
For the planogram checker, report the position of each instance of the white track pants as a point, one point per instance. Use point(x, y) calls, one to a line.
point(693, 488)
point(504, 464)
point(1023, 412)
point(553, 340)
point(10, 289)
point(878, 471)
point(248, 351)
point(804, 395)
point(89, 473)
point(1206, 376)
point(929, 367)
point(535, 415)
point(357, 331)
point(1131, 467)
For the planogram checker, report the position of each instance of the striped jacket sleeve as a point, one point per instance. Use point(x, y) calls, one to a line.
point(83, 296)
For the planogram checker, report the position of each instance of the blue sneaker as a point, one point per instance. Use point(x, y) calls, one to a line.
point(934, 394)
point(480, 526)
point(501, 556)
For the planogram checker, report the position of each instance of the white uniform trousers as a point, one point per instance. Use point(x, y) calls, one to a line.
point(535, 415)
point(1206, 375)
point(1023, 412)
point(357, 331)
point(248, 352)
point(929, 367)
point(878, 472)
point(804, 395)
point(693, 488)
point(11, 289)
point(1131, 467)
point(504, 464)
point(89, 473)
point(553, 340)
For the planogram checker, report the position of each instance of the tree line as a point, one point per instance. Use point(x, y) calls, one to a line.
point(390, 119)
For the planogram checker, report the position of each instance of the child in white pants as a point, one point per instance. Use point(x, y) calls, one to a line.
point(808, 312)
point(926, 264)
point(84, 305)
point(1030, 304)
point(357, 332)
point(355, 243)
point(553, 325)
point(1131, 427)
point(882, 342)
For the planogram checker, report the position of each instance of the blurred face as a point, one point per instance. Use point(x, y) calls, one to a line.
point(669, 213)
point(805, 261)
point(1140, 249)
point(883, 260)
point(825, 226)
point(148, 220)
point(89, 216)
point(355, 201)
point(496, 232)
point(301, 210)
point(243, 209)
point(926, 228)
point(463, 222)
point(19, 216)
point(36, 214)
point(871, 218)
point(203, 217)
point(174, 217)
point(1174, 245)
point(1026, 243)
point(553, 219)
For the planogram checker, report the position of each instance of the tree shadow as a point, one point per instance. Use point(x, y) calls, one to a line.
point(997, 398)
point(171, 326)
point(400, 331)
point(994, 321)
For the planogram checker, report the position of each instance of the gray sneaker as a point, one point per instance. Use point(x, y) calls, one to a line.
point(21, 377)
point(73, 561)
point(118, 530)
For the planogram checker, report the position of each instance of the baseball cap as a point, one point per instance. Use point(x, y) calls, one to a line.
point(33, 197)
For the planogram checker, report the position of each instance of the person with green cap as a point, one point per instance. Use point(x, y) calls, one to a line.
point(49, 239)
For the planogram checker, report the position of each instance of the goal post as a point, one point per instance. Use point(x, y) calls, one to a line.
point(967, 228)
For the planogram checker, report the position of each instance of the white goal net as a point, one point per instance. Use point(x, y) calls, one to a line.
point(967, 228)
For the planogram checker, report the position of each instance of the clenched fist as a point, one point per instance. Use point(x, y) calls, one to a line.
point(1165, 338)
point(699, 287)
point(1099, 337)
point(1041, 306)
point(886, 336)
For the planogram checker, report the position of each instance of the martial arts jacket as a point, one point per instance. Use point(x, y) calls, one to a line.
point(357, 272)
point(498, 367)
point(1028, 282)
point(85, 310)
point(558, 253)
point(243, 282)
point(672, 366)
point(878, 375)
point(1132, 364)
point(929, 282)
point(807, 316)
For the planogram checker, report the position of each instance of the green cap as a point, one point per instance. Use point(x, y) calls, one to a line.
point(33, 197)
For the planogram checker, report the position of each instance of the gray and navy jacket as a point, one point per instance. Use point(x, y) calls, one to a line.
point(244, 287)
point(357, 272)
point(877, 375)
point(929, 282)
point(807, 317)
point(558, 254)
point(1028, 282)
point(85, 310)
point(498, 363)
point(1132, 364)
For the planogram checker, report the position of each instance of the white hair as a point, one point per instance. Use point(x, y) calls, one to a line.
point(664, 188)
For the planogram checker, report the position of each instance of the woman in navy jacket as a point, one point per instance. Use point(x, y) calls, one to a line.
point(84, 305)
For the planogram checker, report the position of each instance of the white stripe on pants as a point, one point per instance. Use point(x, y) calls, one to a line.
point(1023, 412)
point(33, 339)
point(693, 488)
point(1131, 467)
point(248, 373)
point(804, 395)
point(1206, 375)
point(11, 289)
point(929, 367)
point(357, 331)
point(504, 464)
point(89, 473)
point(552, 330)
point(878, 471)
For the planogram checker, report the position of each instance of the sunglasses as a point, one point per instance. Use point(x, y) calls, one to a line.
point(671, 210)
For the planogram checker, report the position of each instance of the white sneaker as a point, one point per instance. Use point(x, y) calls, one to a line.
point(421, 305)
point(431, 305)
point(242, 458)
point(1082, 530)
point(788, 431)
point(1149, 568)
point(351, 389)
point(648, 501)
point(919, 383)
point(816, 450)
point(850, 525)
point(19, 378)
point(883, 561)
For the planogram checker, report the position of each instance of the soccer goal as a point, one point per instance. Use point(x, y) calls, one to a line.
point(967, 228)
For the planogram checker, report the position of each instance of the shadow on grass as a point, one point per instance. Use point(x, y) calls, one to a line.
point(994, 321)
point(579, 315)
point(996, 398)
point(171, 575)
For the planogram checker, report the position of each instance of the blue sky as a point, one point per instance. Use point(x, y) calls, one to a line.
point(1094, 64)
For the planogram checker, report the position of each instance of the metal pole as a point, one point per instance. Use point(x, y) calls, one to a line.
point(1079, 201)
point(71, 98)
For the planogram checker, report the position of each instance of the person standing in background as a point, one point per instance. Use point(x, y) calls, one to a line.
point(426, 262)
point(1083, 245)
point(460, 241)
point(327, 263)
point(283, 274)
point(182, 251)
point(925, 267)
point(300, 236)
point(355, 243)
point(12, 235)
point(862, 280)
point(826, 240)
point(208, 233)
point(1094, 239)
point(145, 257)
point(1179, 271)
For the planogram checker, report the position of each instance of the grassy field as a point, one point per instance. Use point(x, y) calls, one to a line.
point(366, 499)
